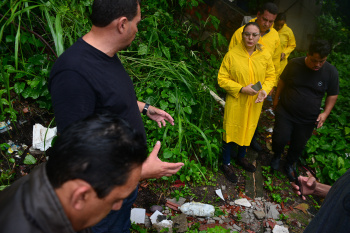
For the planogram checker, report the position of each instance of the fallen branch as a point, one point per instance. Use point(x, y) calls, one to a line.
point(214, 95)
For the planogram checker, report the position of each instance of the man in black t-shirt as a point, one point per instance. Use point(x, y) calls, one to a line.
point(298, 99)
point(89, 78)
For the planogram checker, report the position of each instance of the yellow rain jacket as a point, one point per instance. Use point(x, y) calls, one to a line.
point(287, 44)
point(238, 70)
point(271, 42)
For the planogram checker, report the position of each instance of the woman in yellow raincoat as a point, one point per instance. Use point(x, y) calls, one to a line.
point(286, 37)
point(244, 65)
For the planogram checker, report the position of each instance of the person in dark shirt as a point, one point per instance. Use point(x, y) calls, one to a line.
point(89, 78)
point(335, 210)
point(297, 102)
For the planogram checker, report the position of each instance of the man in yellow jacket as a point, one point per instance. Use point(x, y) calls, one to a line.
point(287, 39)
point(269, 36)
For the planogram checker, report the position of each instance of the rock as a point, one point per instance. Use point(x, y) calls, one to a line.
point(227, 220)
point(180, 202)
point(279, 223)
point(156, 207)
point(180, 222)
point(221, 221)
point(273, 212)
point(217, 218)
point(223, 187)
point(259, 214)
point(210, 221)
point(245, 218)
point(236, 227)
point(160, 226)
point(232, 203)
point(280, 229)
point(147, 222)
point(161, 218)
point(166, 212)
point(243, 202)
point(201, 219)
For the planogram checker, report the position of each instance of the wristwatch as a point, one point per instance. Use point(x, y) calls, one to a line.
point(145, 109)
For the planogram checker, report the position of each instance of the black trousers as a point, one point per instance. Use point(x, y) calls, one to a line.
point(286, 131)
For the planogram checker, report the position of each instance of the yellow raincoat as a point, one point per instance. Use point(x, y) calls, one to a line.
point(271, 42)
point(238, 70)
point(287, 44)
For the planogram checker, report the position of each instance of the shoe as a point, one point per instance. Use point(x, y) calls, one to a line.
point(229, 173)
point(290, 172)
point(275, 163)
point(255, 145)
point(246, 165)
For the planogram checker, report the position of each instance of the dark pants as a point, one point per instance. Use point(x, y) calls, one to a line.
point(117, 221)
point(297, 134)
point(227, 150)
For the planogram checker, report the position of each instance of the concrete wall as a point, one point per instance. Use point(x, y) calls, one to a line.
point(301, 18)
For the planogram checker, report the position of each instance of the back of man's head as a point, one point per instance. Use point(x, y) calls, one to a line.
point(270, 7)
point(105, 11)
point(101, 150)
point(322, 47)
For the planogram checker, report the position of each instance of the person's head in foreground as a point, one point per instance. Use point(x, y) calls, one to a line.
point(95, 164)
point(317, 54)
point(251, 35)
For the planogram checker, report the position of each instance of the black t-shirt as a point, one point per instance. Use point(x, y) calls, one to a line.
point(84, 80)
point(304, 89)
point(334, 215)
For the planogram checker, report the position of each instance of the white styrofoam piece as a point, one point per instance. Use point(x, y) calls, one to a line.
point(138, 215)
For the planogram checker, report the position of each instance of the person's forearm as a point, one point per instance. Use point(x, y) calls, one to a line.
point(330, 102)
point(280, 87)
point(321, 189)
point(141, 105)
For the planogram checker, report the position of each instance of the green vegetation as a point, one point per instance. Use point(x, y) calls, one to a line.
point(169, 63)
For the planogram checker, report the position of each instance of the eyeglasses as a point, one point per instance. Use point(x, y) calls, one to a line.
point(247, 34)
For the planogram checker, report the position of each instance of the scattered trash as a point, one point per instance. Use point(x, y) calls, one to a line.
point(5, 126)
point(280, 229)
point(243, 202)
point(270, 111)
point(154, 216)
point(39, 139)
point(198, 209)
point(160, 226)
point(270, 130)
point(172, 205)
point(138, 215)
point(219, 193)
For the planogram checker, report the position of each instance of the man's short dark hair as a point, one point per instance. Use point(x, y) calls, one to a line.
point(322, 47)
point(251, 23)
point(101, 150)
point(281, 16)
point(270, 7)
point(105, 11)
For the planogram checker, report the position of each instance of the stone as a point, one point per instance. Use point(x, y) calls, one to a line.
point(156, 207)
point(180, 222)
point(147, 222)
point(166, 211)
point(217, 218)
point(210, 221)
point(232, 203)
point(236, 227)
point(273, 212)
point(280, 229)
point(221, 221)
point(245, 218)
point(243, 202)
point(259, 214)
point(161, 226)
point(279, 223)
point(201, 219)
point(223, 187)
point(180, 202)
point(227, 220)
